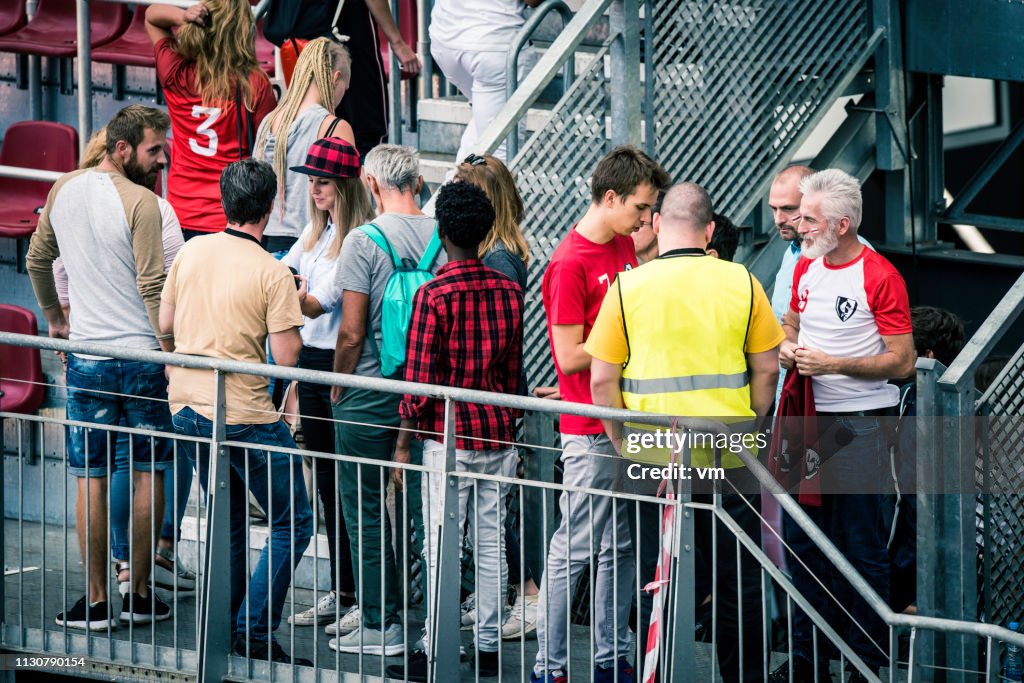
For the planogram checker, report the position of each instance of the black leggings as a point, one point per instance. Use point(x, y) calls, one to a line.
point(318, 431)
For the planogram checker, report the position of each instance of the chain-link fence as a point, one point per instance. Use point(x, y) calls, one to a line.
point(1001, 515)
point(735, 86)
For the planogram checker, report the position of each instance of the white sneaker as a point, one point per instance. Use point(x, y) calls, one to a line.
point(469, 612)
point(348, 623)
point(522, 620)
point(175, 579)
point(323, 612)
point(368, 641)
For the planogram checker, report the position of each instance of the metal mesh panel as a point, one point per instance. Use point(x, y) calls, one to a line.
point(553, 175)
point(1001, 515)
point(737, 82)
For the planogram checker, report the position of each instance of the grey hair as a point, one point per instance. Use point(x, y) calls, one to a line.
point(840, 195)
point(394, 166)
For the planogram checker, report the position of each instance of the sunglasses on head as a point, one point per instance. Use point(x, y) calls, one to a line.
point(474, 160)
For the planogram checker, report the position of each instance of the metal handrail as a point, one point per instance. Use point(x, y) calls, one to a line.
point(764, 477)
point(520, 41)
point(529, 90)
point(22, 173)
point(843, 565)
point(960, 374)
point(353, 381)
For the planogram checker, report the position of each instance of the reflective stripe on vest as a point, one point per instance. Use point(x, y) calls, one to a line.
point(686, 321)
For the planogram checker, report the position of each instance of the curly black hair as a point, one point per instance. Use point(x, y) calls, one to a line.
point(937, 330)
point(464, 214)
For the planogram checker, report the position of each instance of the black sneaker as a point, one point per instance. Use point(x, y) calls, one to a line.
point(488, 664)
point(136, 609)
point(259, 649)
point(87, 617)
point(419, 666)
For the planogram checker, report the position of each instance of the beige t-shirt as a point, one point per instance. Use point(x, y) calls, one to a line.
point(228, 294)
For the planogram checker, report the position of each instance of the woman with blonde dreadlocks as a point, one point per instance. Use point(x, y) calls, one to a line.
point(217, 95)
point(302, 117)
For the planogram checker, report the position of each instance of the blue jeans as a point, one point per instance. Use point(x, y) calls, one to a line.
point(120, 497)
point(856, 523)
point(115, 392)
point(275, 479)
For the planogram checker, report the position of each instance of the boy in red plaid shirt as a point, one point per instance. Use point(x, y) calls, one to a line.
point(466, 331)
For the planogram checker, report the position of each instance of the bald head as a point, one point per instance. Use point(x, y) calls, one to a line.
point(685, 218)
point(784, 200)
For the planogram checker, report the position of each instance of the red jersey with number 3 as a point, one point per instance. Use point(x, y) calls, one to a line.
point(205, 138)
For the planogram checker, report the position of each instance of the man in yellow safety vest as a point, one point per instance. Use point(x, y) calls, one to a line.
point(694, 336)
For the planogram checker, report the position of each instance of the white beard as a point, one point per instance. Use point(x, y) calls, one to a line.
point(826, 243)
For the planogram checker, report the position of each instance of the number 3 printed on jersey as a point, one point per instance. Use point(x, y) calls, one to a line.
point(205, 129)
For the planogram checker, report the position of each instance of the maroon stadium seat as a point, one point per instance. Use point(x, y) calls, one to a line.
point(52, 31)
point(41, 145)
point(12, 16)
point(264, 51)
point(408, 26)
point(21, 371)
point(133, 48)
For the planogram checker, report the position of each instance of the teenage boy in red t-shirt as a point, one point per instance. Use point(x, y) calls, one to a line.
point(624, 187)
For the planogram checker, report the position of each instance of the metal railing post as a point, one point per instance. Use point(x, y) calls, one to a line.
point(84, 76)
point(539, 465)
point(447, 622)
point(215, 625)
point(625, 82)
point(395, 83)
point(929, 522)
point(682, 648)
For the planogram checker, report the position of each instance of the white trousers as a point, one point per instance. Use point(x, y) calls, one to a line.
point(483, 504)
point(482, 78)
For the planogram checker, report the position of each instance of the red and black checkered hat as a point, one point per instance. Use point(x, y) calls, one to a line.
point(331, 158)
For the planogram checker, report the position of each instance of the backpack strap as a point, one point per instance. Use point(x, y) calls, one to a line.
point(430, 255)
point(374, 233)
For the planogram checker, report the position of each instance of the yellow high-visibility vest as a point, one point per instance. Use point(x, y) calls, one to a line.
point(686, 320)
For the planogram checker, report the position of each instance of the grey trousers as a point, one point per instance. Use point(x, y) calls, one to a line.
point(589, 524)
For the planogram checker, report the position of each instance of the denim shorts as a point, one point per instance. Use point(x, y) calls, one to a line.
point(102, 392)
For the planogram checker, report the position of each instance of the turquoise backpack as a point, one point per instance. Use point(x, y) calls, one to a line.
point(399, 291)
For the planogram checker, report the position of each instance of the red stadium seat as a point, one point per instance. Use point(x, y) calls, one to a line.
point(41, 145)
point(12, 16)
point(21, 370)
point(409, 28)
point(133, 48)
point(52, 31)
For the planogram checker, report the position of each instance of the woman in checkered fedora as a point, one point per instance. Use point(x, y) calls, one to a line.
point(337, 203)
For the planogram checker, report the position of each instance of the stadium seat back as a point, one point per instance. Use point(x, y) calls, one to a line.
point(12, 16)
point(21, 370)
point(41, 145)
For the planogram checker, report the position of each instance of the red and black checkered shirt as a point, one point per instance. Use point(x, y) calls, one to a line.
point(466, 331)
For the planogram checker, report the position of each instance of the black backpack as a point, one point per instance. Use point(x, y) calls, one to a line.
point(300, 19)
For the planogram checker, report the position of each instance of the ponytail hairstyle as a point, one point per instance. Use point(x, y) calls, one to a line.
point(493, 177)
point(223, 51)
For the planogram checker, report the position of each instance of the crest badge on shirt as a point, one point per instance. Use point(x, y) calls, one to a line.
point(845, 307)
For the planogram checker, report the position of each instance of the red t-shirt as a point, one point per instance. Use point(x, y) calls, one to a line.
point(577, 278)
point(205, 137)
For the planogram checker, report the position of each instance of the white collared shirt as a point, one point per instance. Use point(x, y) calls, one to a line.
point(319, 270)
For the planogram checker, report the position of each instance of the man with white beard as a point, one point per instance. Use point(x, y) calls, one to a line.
point(848, 328)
